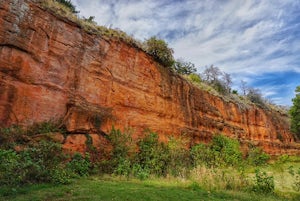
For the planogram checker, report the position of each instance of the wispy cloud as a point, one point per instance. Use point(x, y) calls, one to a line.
point(246, 38)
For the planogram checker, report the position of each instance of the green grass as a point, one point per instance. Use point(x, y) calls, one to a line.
point(100, 188)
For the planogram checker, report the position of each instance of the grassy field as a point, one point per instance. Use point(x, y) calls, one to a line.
point(110, 188)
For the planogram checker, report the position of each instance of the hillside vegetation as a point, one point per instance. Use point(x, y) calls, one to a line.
point(34, 166)
point(216, 169)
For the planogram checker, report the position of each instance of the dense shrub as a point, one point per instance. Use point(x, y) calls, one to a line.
point(220, 87)
point(9, 168)
point(80, 165)
point(263, 183)
point(255, 96)
point(45, 127)
point(296, 177)
point(222, 151)
point(257, 157)
point(202, 155)
point(179, 160)
point(34, 164)
point(11, 136)
point(68, 4)
point(184, 68)
point(16, 135)
point(160, 51)
point(227, 151)
point(152, 154)
point(123, 148)
point(194, 78)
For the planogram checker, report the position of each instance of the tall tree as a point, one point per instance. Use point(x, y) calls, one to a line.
point(183, 67)
point(295, 114)
point(227, 81)
point(244, 87)
point(211, 74)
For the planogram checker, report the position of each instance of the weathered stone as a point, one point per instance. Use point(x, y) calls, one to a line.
point(55, 137)
point(50, 68)
point(75, 143)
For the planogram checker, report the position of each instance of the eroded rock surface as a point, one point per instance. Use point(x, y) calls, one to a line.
point(50, 68)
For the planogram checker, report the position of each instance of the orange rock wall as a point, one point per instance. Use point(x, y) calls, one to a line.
point(50, 68)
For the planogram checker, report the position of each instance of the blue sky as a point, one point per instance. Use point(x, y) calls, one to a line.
point(257, 41)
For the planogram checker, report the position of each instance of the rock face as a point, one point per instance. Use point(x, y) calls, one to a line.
point(50, 69)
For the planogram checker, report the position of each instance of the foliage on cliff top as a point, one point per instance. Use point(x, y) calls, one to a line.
point(160, 51)
point(68, 4)
point(212, 80)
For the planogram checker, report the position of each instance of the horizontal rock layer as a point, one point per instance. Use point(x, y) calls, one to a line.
point(50, 68)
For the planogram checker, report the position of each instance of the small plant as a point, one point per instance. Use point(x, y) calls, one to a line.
point(11, 136)
point(184, 68)
point(263, 183)
point(68, 4)
point(45, 127)
point(60, 175)
point(123, 167)
point(195, 78)
point(235, 92)
point(91, 20)
point(139, 172)
point(296, 175)
point(194, 186)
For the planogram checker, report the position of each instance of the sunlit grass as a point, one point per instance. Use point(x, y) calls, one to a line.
point(109, 188)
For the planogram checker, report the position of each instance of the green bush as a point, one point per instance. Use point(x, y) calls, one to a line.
point(220, 87)
point(179, 160)
point(202, 155)
point(11, 136)
point(123, 167)
point(194, 78)
point(222, 151)
point(184, 68)
point(296, 175)
point(160, 51)
point(34, 164)
point(60, 175)
point(226, 150)
point(263, 183)
point(257, 157)
point(152, 155)
point(139, 172)
point(16, 135)
point(45, 127)
point(9, 168)
point(68, 4)
point(80, 165)
point(123, 147)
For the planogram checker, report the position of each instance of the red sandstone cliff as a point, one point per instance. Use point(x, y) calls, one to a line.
point(50, 68)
